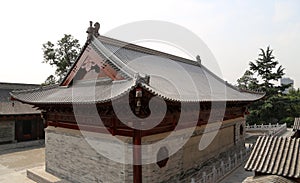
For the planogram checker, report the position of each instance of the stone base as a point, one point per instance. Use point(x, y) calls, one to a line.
point(4, 147)
point(39, 175)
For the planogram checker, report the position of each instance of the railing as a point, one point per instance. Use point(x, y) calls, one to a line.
point(269, 129)
point(226, 167)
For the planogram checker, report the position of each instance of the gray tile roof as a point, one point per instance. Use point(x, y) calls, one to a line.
point(182, 80)
point(275, 155)
point(17, 86)
point(77, 93)
point(146, 61)
point(5, 88)
point(296, 125)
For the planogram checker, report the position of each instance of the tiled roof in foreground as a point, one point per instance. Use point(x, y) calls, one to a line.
point(275, 155)
point(180, 79)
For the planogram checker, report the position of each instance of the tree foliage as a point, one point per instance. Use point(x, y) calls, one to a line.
point(248, 81)
point(275, 107)
point(268, 71)
point(62, 56)
point(51, 80)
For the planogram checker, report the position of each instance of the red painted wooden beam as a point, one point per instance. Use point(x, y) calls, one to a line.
point(137, 156)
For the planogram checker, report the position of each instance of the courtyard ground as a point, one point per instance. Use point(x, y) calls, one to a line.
point(15, 162)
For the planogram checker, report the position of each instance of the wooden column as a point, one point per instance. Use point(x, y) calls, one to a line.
point(137, 157)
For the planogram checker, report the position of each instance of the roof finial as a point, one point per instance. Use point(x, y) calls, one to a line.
point(96, 29)
point(90, 31)
point(198, 59)
point(93, 30)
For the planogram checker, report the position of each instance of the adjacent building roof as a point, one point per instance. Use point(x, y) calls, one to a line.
point(180, 79)
point(275, 155)
point(16, 86)
point(296, 125)
point(8, 107)
point(16, 108)
point(5, 88)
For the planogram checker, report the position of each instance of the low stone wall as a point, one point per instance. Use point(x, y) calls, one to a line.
point(7, 131)
point(274, 130)
point(16, 145)
point(222, 165)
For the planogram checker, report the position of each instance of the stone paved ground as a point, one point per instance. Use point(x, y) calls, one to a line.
point(15, 162)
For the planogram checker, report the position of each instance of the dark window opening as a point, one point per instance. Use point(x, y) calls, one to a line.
point(26, 127)
point(241, 130)
point(162, 157)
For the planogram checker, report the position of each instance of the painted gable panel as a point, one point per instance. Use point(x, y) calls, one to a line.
point(91, 66)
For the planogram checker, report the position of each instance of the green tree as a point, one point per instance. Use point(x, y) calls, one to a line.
point(51, 80)
point(268, 71)
point(292, 107)
point(262, 75)
point(62, 56)
point(248, 81)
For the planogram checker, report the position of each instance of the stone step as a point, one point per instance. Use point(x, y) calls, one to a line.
point(39, 175)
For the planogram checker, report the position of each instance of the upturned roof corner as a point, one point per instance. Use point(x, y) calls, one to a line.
point(141, 79)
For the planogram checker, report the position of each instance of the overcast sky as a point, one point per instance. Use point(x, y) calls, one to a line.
point(233, 30)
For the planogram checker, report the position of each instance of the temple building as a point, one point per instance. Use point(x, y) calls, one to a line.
point(18, 122)
point(126, 113)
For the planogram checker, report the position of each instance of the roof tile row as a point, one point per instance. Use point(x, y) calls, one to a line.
point(275, 155)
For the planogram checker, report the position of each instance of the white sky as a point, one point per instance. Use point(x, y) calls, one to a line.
point(233, 30)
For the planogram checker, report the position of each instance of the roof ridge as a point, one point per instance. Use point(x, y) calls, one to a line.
point(111, 56)
point(17, 83)
point(47, 87)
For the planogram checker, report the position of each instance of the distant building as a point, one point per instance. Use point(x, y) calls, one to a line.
point(287, 81)
point(18, 122)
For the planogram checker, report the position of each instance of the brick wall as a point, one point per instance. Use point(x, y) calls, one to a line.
point(69, 156)
point(7, 131)
point(190, 161)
